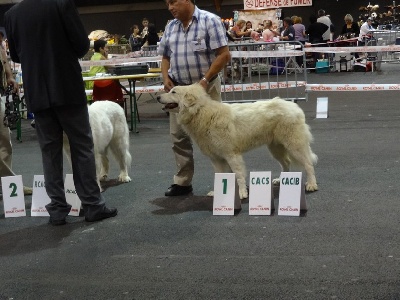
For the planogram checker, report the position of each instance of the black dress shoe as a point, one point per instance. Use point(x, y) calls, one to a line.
point(178, 190)
point(106, 213)
point(58, 222)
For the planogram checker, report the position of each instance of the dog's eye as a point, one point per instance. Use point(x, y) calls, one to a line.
point(173, 92)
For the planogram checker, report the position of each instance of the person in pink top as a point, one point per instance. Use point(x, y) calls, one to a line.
point(268, 33)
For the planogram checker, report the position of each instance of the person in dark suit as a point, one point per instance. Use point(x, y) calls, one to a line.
point(55, 93)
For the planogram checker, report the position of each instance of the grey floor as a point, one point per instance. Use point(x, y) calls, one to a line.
point(347, 245)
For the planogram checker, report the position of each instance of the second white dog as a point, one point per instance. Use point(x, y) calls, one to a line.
point(225, 131)
point(110, 133)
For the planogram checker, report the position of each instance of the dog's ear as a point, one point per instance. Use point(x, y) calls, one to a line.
point(189, 99)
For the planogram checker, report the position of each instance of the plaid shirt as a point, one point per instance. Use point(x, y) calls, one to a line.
point(188, 65)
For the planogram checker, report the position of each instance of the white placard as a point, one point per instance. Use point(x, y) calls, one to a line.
point(260, 196)
point(291, 194)
point(224, 194)
point(39, 197)
point(13, 196)
point(71, 196)
point(322, 108)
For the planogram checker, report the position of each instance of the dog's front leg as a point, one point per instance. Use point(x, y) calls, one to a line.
point(237, 165)
point(220, 166)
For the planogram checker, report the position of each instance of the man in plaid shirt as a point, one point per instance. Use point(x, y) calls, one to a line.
point(194, 49)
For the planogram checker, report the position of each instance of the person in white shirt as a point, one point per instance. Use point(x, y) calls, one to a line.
point(323, 18)
point(365, 30)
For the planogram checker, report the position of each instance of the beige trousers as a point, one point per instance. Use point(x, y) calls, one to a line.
point(5, 146)
point(182, 144)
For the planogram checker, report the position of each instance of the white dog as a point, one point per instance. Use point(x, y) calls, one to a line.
point(225, 131)
point(110, 132)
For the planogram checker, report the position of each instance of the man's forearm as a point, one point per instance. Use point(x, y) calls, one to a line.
point(218, 64)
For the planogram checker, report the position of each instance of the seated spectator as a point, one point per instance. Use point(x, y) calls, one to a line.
point(103, 89)
point(350, 28)
point(249, 26)
point(238, 30)
point(365, 31)
point(260, 28)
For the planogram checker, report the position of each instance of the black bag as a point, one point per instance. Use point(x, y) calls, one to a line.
point(12, 114)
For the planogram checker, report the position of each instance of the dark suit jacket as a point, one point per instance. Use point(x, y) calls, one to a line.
point(47, 37)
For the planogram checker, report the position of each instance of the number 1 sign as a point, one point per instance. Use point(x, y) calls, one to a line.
point(13, 196)
point(224, 194)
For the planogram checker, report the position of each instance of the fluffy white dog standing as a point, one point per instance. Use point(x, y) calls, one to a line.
point(225, 131)
point(110, 132)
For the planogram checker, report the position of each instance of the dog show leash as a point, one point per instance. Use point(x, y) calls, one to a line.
point(11, 114)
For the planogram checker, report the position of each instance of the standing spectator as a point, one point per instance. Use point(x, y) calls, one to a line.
point(299, 30)
point(55, 93)
point(194, 49)
point(316, 31)
point(2, 41)
point(288, 32)
point(324, 19)
point(135, 40)
point(145, 24)
point(269, 33)
point(151, 38)
point(7, 78)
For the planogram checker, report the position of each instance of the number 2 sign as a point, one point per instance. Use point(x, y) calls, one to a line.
point(13, 196)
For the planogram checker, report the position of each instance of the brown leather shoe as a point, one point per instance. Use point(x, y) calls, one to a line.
point(178, 190)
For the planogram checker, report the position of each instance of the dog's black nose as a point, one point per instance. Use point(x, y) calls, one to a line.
point(158, 98)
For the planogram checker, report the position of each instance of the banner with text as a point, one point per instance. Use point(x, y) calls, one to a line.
point(266, 4)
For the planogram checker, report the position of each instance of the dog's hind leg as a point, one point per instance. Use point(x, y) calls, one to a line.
point(278, 151)
point(303, 155)
point(123, 157)
point(104, 167)
point(98, 161)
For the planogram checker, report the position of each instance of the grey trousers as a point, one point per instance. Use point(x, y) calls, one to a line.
point(182, 144)
point(74, 121)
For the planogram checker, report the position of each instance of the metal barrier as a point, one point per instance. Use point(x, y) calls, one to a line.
point(261, 71)
point(148, 51)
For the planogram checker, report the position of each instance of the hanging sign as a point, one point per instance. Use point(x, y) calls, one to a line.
point(267, 4)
